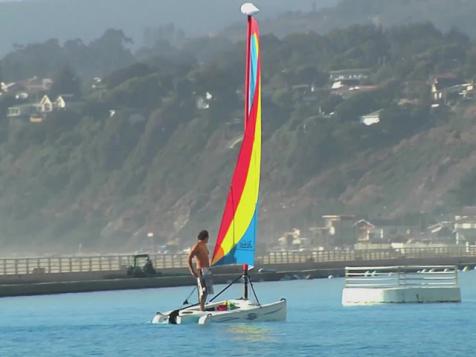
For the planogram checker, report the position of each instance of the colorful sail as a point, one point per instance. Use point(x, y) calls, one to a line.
point(237, 234)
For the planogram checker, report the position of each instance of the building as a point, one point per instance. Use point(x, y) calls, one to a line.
point(442, 232)
point(22, 110)
point(345, 83)
point(365, 231)
point(371, 118)
point(339, 229)
point(36, 112)
point(31, 86)
point(447, 88)
point(358, 74)
point(293, 240)
point(465, 226)
point(346, 89)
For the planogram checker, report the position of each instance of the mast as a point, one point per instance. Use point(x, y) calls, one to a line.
point(247, 9)
point(245, 281)
point(247, 72)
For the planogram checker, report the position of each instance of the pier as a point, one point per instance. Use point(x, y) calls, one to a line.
point(49, 275)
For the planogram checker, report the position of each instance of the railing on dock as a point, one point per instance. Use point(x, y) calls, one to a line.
point(401, 276)
point(116, 263)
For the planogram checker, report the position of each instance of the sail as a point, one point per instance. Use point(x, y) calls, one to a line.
point(237, 234)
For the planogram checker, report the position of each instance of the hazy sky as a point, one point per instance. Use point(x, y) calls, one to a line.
point(38, 20)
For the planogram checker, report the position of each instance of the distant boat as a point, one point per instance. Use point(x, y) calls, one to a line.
point(236, 239)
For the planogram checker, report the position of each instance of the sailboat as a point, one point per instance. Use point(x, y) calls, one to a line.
point(236, 240)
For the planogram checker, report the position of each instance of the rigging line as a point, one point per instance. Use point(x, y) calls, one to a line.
point(226, 288)
point(254, 292)
point(185, 302)
point(175, 313)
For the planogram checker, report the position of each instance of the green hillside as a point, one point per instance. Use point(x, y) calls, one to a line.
point(152, 146)
point(444, 14)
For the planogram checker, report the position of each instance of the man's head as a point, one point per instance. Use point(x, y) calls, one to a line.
point(203, 236)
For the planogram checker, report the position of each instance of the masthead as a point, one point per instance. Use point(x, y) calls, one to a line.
point(249, 9)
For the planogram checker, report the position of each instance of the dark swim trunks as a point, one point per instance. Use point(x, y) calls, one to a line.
point(205, 282)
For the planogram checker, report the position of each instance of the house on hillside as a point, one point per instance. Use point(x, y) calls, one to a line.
point(6, 87)
point(345, 83)
point(358, 74)
point(465, 225)
point(32, 85)
point(204, 102)
point(395, 231)
point(365, 231)
point(447, 88)
point(21, 111)
point(369, 236)
point(63, 101)
point(293, 240)
point(345, 91)
point(45, 105)
point(339, 229)
point(371, 118)
point(36, 112)
point(442, 232)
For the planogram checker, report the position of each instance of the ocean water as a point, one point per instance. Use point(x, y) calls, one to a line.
point(118, 324)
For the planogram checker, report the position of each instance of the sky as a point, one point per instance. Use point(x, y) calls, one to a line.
point(38, 20)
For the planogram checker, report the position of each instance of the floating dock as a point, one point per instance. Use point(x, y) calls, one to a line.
point(401, 284)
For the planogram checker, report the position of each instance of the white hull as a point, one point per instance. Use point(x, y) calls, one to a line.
point(244, 311)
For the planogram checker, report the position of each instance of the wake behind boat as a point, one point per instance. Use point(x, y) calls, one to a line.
point(236, 240)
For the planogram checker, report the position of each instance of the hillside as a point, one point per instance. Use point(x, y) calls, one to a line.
point(151, 147)
point(444, 14)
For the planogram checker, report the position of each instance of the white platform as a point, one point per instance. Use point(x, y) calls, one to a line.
point(403, 284)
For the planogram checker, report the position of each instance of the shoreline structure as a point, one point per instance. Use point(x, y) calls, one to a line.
point(71, 278)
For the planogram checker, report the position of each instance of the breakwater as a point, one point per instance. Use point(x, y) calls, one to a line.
point(287, 267)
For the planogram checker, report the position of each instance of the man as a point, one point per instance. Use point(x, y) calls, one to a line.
point(202, 272)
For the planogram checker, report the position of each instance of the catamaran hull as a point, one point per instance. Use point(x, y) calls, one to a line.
point(245, 311)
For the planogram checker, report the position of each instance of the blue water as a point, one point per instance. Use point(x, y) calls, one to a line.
point(117, 324)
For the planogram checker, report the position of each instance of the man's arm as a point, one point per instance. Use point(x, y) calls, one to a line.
point(190, 262)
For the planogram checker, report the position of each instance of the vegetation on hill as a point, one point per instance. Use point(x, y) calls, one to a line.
point(151, 146)
point(444, 14)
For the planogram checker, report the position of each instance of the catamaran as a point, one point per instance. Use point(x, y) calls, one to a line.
point(236, 238)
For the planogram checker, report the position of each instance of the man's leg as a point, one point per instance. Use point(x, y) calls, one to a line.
point(203, 300)
point(202, 291)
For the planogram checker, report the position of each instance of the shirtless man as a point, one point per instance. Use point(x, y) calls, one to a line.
point(202, 272)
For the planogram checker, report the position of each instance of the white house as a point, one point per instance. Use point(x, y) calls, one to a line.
point(371, 118)
point(349, 74)
point(45, 105)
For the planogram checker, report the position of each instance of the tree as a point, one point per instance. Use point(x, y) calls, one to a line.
point(66, 82)
point(356, 105)
point(123, 74)
point(329, 103)
point(109, 51)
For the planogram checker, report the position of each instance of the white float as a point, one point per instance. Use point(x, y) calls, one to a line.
point(401, 284)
